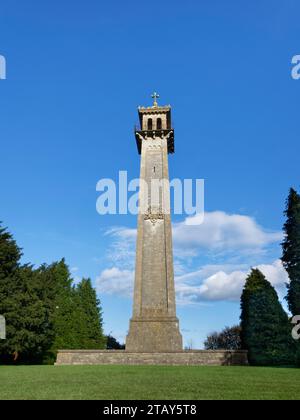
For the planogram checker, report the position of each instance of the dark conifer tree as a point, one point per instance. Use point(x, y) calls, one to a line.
point(44, 311)
point(266, 332)
point(291, 250)
point(10, 255)
point(113, 344)
point(91, 316)
point(20, 305)
point(31, 338)
point(64, 309)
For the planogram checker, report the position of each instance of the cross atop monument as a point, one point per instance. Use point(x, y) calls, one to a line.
point(155, 96)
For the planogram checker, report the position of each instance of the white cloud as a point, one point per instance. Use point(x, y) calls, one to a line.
point(233, 237)
point(220, 233)
point(115, 281)
point(225, 285)
point(275, 273)
point(211, 283)
point(121, 251)
point(121, 232)
point(223, 231)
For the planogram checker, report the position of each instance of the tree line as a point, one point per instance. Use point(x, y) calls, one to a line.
point(265, 329)
point(44, 310)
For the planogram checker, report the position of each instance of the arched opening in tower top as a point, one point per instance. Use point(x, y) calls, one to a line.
point(150, 123)
point(158, 124)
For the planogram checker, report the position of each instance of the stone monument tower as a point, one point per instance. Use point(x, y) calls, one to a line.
point(154, 326)
point(154, 336)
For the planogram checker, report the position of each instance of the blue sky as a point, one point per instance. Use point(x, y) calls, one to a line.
point(76, 72)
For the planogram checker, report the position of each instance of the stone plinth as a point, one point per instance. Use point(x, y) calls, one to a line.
point(157, 334)
point(123, 357)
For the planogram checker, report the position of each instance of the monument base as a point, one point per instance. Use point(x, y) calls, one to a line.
point(153, 335)
point(123, 357)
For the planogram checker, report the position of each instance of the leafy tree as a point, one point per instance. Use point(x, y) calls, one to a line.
point(74, 313)
point(47, 289)
point(31, 338)
point(64, 311)
point(53, 284)
point(20, 305)
point(44, 311)
point(291, 250)
point(91, 333)
point(228, 339)
point(113, 343)
point(10, 255)
point(266, 332)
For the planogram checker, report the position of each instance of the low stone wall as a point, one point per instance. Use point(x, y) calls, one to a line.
point(123, 357)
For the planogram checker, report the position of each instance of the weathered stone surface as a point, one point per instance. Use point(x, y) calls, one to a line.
point(157, 334)
point(123, 357)
point(154, 326)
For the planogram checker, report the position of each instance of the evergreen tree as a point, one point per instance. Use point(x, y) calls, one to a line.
point(48, 288)
point(73, 314)
point(31, 339)
point(291, 250)
point(44, 312)
point(266, 332)
point(10, 255)
point(20, 305)
point(91, 333)
point(64, 308)
point(113, 344)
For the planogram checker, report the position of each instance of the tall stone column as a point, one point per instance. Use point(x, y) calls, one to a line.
point(154, 326)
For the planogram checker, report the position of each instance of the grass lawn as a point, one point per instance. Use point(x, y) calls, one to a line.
point(148, 382)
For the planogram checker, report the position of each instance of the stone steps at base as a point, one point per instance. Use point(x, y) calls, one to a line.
point(122, 357)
